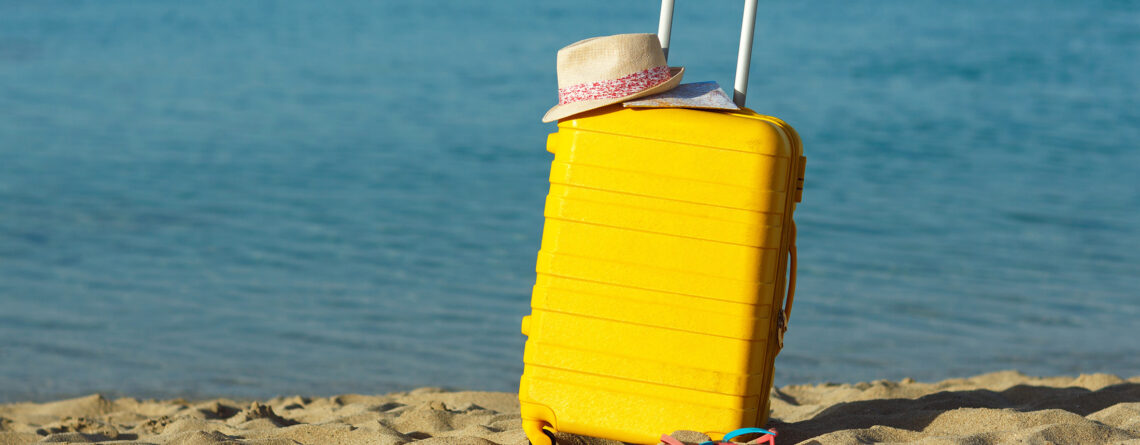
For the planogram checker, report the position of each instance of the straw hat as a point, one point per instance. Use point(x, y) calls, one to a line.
point(602, 71)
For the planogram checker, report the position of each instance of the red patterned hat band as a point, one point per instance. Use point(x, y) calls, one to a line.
point(613, 89)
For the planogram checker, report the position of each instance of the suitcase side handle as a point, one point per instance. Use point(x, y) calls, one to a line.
point(786, 314)
point(743, 55)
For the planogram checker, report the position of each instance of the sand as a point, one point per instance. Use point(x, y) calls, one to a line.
point(998, 408)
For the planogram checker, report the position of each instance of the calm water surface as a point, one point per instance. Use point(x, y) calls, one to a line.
point(261, 198)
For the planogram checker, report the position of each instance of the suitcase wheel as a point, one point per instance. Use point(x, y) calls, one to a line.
point(533, 427)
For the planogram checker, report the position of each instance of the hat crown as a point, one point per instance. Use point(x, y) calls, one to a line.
point(607, 58)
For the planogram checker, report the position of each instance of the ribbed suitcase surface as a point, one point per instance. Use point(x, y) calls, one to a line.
point(661, 275)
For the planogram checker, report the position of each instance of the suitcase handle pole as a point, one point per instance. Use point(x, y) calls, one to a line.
point(665, 26)
point(743, 56)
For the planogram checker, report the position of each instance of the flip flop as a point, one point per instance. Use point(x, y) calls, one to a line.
point(769, 437)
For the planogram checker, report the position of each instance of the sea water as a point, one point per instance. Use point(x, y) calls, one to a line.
point(291, 197)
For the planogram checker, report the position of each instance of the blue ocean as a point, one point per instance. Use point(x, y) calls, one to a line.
point(259, 198)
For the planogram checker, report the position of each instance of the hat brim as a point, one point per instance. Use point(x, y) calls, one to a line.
point(570, 109)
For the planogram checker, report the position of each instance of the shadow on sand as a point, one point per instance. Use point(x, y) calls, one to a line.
point(916, 414)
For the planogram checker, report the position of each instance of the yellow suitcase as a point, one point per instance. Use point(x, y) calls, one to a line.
point(659, 303)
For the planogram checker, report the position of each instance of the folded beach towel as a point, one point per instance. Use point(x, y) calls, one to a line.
point(701, 95)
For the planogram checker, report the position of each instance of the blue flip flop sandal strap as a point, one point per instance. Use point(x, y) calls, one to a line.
point(740, 432)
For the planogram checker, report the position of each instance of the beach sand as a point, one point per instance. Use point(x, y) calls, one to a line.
point(998, 408)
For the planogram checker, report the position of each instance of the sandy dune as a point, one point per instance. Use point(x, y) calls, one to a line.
point(1005, 407)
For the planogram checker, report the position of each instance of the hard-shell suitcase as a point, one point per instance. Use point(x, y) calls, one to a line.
point(659, 303)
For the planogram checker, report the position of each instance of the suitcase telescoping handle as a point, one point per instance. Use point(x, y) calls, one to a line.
point(743, 56)
point(740, 91)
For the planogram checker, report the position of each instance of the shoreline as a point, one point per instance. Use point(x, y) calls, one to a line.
point(992, 408)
